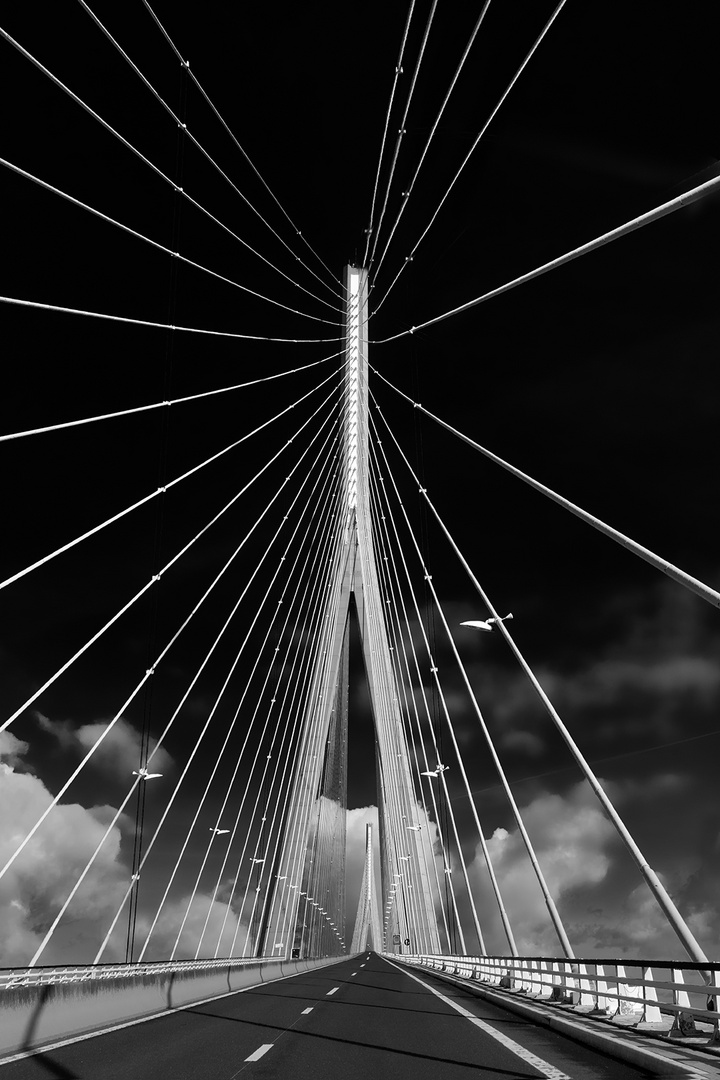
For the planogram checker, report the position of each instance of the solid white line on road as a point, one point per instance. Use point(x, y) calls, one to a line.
point(306, 1011)
point(261, 1050)
point(332, 991)
point(548, 1070)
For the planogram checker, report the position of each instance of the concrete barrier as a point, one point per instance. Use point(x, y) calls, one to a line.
point(40, 1007)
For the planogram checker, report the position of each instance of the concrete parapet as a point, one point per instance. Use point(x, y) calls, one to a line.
point(35, 1012)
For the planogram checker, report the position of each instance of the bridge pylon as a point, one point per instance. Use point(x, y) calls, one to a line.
point(305, 910)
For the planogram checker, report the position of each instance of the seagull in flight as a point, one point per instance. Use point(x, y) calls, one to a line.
point(486, 624)
point(219, 832)
point(145, 775)
point(257, 860)
point(417, 828)
point(437, 770)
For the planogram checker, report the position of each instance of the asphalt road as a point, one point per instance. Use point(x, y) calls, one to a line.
point(362, 1019)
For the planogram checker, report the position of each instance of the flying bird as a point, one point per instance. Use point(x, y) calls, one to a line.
point(487, 624)
point(257, 860)
point(145, 775)
point(416, 828)
point(437, 770)
point(219, 832)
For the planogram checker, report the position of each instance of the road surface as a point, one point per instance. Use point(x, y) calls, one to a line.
point(361, 1019)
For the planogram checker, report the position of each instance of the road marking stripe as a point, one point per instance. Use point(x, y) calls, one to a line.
point(306, 1011)
point(332, 991)
point(362, 965)
point(21, 1055)
point(548, 1070)
point(261, 1050)
point(353, 973)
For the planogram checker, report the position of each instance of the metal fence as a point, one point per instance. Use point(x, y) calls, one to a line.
point(666, 996)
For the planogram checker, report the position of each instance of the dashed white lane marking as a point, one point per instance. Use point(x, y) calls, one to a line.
point(353, 973)
point(334, 989)
point(261, 1050)
point(548, 1070)
point(362, 965)
point(306, 1011)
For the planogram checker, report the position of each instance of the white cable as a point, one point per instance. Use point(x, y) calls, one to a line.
point(483, 843)
point(235, 717)
point(674, 572)
point(419, 739)
point(108, 127)
point(38, 306)
point(470, 152)
point(547, 896)
point(398, 72)
point(455, 78)
point(313, 557)
point(660, 893)
point(161, 404)
point(202, 150)
point(295, 844)
point(155, 244)
point(298, 659)
point(394, 590)
point(158, 491)
point(200, 737)
point(434, 672)
point(638, 222)
point(221, 811)
point(185, 64)
point(402, 130)
point(150, 671)
point(229, 675)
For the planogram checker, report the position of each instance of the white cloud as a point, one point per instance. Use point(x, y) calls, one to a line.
point(222, 923)
point(39, 881)
point(118, 754)
point(12, 749)
point(571, 837)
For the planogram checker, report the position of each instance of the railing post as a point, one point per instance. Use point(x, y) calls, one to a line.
point(651, 1012)
point(683, 1025)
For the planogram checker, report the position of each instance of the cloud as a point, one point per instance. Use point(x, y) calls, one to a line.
point(12, 749)
point(572, 839)
point(223, 927)
point(39, 881)
point(119, 753)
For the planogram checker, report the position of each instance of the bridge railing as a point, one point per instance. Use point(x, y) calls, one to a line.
point(11, 978)
point(667, 996)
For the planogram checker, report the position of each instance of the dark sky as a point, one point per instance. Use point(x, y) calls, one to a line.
point(600, 379)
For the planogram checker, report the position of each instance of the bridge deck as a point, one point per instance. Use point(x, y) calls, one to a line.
point(361, 1018)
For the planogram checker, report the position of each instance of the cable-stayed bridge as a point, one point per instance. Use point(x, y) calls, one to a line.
point(177, 737)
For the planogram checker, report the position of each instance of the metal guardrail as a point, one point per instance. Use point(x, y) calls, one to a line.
point(11, 979)
point(655, 995)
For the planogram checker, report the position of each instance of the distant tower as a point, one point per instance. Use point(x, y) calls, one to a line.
point(367, 921)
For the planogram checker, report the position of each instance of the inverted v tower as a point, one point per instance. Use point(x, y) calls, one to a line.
point(304, 912)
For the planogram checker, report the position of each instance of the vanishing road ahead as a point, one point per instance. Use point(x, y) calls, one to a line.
point(361, 1019)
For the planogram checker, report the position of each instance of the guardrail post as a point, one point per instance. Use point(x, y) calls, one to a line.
point(601, 1001)
point(544, 980)
point(587, 1000)
point(712, 1006)
point(683, 1025)
point(569, 998)
point(557, 990)
point(651, 1012)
